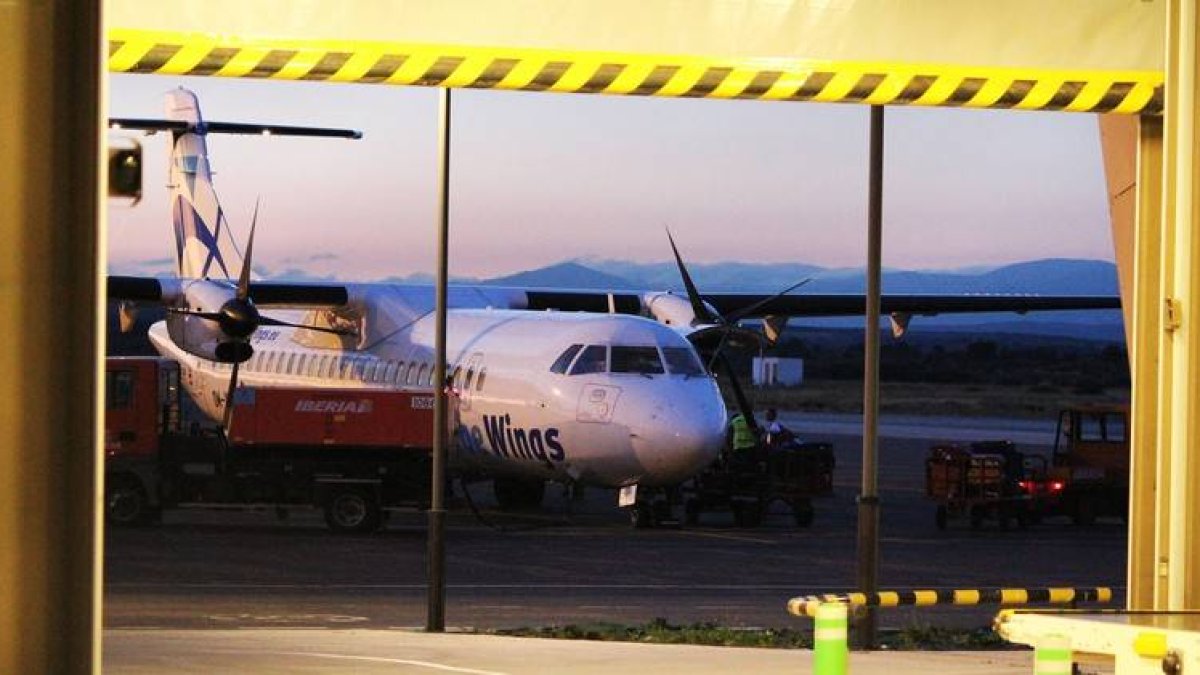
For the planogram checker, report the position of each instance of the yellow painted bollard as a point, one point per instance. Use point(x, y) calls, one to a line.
point(831, 654)
point(1052, 656)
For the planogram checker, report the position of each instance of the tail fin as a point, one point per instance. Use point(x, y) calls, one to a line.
point(204, 247)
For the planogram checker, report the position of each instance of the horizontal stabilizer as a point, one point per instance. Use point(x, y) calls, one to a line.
point(181, 126)
point(265, 294)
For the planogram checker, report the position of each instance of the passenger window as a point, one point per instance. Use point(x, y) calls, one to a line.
point(641, 360)
point(594, 359)
point(270, 361)
point(429, 377)
point(681, 361)
point(347, 367)
point(455, 379)
point(291, 363)
point(421, 374)
point(119, 392)
point(389, 375)
point(564, 360)
point(369, 371)
point(300, 363)
point(467, 382)
point(402, 374)
point(479, 382)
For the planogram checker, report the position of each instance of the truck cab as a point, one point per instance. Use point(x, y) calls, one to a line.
point(1090, 462)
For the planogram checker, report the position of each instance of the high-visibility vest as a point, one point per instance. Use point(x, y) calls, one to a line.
point(743, 437)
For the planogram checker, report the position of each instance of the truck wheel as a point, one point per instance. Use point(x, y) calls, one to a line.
point(941, 517)
point(518, 495)
point(978, 515)
point(1085, 512)
point(126, 503)
point(352, 510)
point(747, 514)
point(802, 509)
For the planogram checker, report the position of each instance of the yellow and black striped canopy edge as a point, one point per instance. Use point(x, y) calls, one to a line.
point(807, 605)
point(1132, 92)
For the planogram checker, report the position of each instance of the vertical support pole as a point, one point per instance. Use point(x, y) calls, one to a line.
point(51, 223)
point(868, 499)
point(1147, 468)
point(831, 654)
point(435, 621)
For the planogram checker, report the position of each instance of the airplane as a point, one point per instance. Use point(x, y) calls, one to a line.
point(589, 388)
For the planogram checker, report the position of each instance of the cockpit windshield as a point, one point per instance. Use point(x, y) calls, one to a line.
point(682, 361)
point(627, 359)
point(594, 359)
point(564, 360)
point(640, 360)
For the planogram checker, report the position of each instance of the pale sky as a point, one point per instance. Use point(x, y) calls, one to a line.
point(542, 178)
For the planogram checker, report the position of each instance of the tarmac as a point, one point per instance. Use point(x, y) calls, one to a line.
point(403, 651)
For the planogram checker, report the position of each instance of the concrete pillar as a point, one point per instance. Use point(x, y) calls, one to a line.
point(50, 134)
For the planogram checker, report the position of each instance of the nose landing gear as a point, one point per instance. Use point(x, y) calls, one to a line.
point(655, 508)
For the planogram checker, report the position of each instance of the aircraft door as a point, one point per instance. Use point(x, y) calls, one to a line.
point(470, 381)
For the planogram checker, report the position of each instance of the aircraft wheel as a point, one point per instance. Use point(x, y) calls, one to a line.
point(351, 509)
point(641, 516)
point(126, 503)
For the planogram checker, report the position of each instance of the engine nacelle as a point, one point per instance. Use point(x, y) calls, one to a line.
point(212, 323)
point(673, 310)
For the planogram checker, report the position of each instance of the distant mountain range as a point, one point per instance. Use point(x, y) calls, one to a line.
point(1054, 276)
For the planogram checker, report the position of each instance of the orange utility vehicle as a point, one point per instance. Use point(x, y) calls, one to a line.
point(1089, 473)
point(352, 453)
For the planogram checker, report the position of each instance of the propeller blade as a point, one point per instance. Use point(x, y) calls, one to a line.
point(743, 404)
point(243, 287)
point(233, 377)
point(747, 311)
point(268, 321)
point(718, 351)
point(698, 308)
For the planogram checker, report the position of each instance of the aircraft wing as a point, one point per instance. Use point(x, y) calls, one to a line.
point(819, 305)
point(919, 304)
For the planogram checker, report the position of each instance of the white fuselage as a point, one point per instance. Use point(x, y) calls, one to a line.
point(513, 411)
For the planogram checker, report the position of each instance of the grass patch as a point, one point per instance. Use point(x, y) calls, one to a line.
point(660, 631)
point(1040, 401)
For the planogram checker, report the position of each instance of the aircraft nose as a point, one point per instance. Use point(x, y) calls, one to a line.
point(680, 435)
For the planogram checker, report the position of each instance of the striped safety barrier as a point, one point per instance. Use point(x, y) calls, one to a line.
point(808, 605)
point(634, 74)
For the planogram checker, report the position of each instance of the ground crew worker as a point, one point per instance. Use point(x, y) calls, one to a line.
point(742, 439)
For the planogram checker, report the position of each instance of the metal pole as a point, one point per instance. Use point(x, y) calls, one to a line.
point(868, 500)
point(435, 621)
